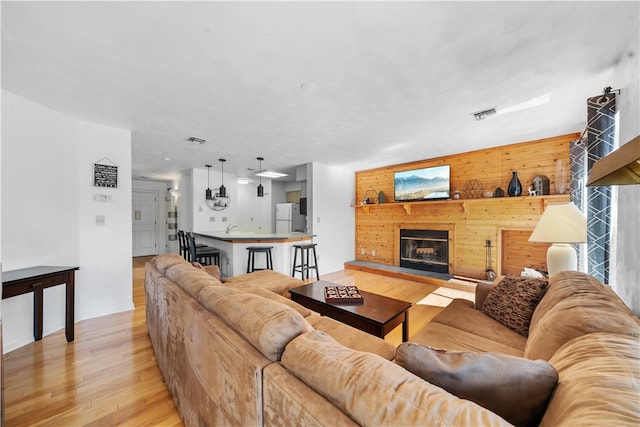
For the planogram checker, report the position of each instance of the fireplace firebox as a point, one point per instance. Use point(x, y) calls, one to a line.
point(426, 250)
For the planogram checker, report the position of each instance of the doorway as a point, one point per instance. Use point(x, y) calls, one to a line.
point(144, 213)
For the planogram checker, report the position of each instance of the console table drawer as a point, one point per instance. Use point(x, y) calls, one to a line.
point(25, 286)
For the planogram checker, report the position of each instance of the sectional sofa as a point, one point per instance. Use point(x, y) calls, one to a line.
point(241, 353)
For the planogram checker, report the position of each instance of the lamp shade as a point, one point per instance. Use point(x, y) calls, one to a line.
point(560, 223)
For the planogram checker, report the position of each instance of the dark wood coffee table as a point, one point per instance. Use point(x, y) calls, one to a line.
point(377, 314)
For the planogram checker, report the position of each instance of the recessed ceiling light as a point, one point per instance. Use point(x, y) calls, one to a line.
point(166, 159)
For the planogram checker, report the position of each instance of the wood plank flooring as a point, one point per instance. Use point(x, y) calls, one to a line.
point(109, 375)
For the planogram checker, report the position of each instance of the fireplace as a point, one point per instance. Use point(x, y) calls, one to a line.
point(426, 250)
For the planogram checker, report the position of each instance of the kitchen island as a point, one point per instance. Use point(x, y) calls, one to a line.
point(233, 249)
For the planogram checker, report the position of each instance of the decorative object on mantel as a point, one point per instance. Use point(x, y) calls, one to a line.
point(540, 185)
point(473, 189)
point(560, 180)
point(380, 197)
point(487, 194)
point(456, 195)
point(532, 192)
point(371, 196)
point(499, 192)
point(515, 188)
point(105, 175)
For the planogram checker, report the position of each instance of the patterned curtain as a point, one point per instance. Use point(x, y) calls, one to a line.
point(595, 202)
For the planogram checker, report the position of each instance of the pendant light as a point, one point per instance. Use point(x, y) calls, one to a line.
point(260, 187)
point(222, 192)
point(218, 200)
point(208, 194)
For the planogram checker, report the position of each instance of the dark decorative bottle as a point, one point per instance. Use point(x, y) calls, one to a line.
point(515, 188)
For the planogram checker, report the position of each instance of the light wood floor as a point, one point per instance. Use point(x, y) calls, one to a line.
point(109, 376)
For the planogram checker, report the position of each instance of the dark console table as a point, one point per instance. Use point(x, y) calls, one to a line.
point(36, 279)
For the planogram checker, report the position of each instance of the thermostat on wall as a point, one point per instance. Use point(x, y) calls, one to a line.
point(102, 197)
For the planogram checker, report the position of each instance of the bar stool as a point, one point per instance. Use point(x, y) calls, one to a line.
point(201, 253)
point(304, 265)
point(251, 259)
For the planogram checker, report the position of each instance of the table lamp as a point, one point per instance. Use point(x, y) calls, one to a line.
point(561, 224)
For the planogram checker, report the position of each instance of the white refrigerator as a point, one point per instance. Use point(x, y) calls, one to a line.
point(288, 218)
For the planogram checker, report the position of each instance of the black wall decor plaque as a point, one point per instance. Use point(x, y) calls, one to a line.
point(105, 176)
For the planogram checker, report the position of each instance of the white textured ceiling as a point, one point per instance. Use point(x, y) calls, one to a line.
point(388, 82)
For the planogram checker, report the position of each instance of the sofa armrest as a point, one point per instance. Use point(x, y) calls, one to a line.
point(482, 290)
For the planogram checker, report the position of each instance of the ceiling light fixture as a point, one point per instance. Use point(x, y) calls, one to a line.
point(260, 187)
point(220, 200)
point(271, 174)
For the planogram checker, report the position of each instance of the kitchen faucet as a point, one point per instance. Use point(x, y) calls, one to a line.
point(230, 227)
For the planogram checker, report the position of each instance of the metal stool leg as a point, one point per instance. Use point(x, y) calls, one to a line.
point(295, 258)
point(315, 263)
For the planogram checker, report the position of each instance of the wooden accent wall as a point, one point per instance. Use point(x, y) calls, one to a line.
point(504, 221)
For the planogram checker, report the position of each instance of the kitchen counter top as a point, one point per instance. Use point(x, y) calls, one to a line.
point(249, 236)
point(233, 248)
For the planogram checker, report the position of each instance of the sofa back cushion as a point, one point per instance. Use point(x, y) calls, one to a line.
point(304, 311)
point(574, 305)
point(190, 279)
point(164, 261)
point(515, 388)
point(374, 391)
point(266, 324)
point(599, 382)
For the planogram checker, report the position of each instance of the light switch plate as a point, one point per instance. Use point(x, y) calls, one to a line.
point(100, 221)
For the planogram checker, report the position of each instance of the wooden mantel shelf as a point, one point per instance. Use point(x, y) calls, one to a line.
point(463, 203)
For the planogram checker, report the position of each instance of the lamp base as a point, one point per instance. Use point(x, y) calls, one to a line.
point(561, 257)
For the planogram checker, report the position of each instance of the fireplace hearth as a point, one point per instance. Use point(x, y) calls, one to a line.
point(426, 250)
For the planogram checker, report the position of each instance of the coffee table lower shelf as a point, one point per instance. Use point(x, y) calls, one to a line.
point(377, 315)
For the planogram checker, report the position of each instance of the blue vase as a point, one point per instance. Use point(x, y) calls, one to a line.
point(515, 188)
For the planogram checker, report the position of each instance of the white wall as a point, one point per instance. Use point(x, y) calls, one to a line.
point(48, 213)
point(626, 77)
point(332, 216)
point(246, 210)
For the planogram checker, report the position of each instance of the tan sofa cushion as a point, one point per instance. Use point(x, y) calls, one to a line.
point(585, 312)
point(265, 279)
point(190, 279)
point(351, 337)
point(599, 382)
point(513, 300)
point(304, 311)
point(515, 388)
point(447, 337)
point(164, 261)
point(287, 401)
point(268, 325)
point(461, 327)
point(375, 391)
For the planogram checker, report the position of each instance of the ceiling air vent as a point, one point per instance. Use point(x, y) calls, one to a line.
point(196, 139)
point(481, 115)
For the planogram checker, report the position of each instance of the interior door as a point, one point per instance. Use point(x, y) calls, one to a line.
point(145, 212)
